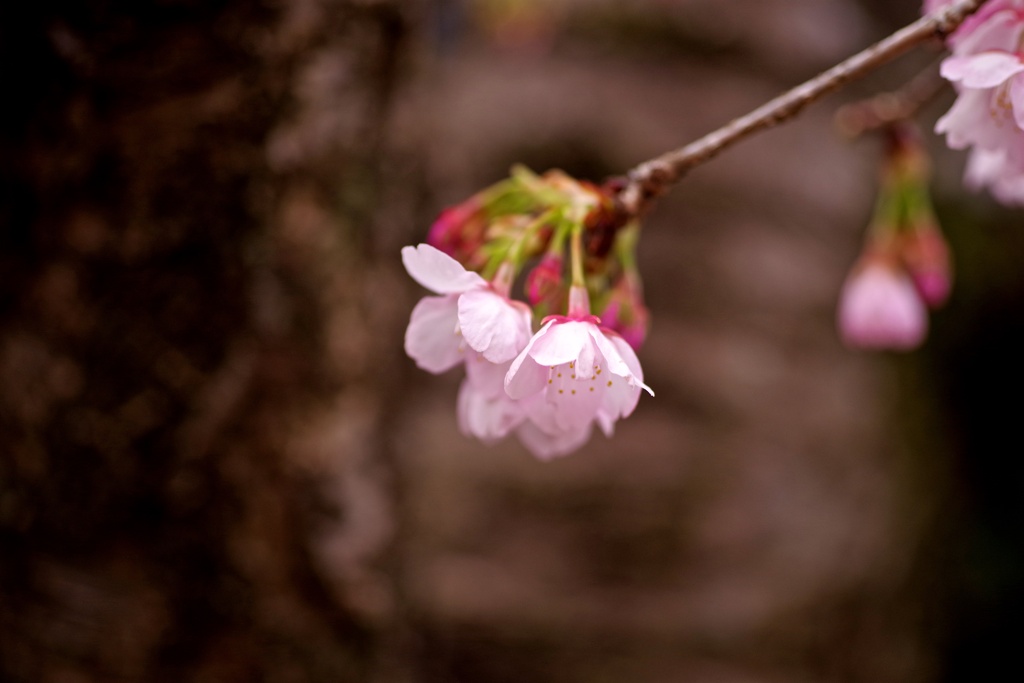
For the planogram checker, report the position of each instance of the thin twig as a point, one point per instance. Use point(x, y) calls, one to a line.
point(887, 108)
point(653, 177)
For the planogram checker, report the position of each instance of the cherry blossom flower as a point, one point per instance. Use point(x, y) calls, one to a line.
point(880, 308)
point(973, 22)
point(580, 373)
point(987, 69)
point(470, 312)
point(991, 169)
point(483, 409)
point(990, 108)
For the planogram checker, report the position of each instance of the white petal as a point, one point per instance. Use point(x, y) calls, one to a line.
point(430, 338)
point(493, 325)
point(439, 272)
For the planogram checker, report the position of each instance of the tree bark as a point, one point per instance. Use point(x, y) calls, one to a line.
point(189, 372)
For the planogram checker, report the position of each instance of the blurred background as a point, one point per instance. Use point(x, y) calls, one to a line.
point(217, 464)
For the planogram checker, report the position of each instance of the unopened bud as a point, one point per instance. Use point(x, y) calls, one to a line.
point(879, 308)
point(544, 282)
point(926, 256)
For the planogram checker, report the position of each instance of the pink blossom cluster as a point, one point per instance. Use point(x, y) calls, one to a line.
point(549, 387)
point(987, 69)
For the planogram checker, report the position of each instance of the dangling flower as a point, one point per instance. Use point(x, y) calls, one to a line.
point(470, 312)
point(579, 370)
point(471, 319)
point(879, 308)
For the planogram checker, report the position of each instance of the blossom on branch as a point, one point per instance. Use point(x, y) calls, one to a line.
point(469, 312)
point(580, 371)
point(552, 387)
point(987, 69)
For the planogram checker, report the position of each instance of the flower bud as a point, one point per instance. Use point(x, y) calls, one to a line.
point(626, 312)
point(926, 256)
point(544, 282)
point(459, 231)
point(879, 307)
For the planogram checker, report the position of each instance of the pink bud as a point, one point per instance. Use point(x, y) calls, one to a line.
point(459, 231)
point(545, 280)
point(879, 308)
point(926, 257)
point(625, 312)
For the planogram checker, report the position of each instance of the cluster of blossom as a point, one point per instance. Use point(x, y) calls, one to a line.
point(904, 268)
point(987, 69)
point(549, 387)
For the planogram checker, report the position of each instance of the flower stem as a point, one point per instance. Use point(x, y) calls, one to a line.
point(888, 108)
point(653, 177)
point(576, 256)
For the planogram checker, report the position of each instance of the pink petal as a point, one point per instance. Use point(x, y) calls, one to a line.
point(439, 272)
point(569, 406)
point(606, 423)
point(1017, 100)
point(493, 325)
point(525, 377)
point(991, 28)
point(488, 418)
point(612, 358)
point(879, 308)
point(560, 342)
point(487, 378)
point(983, 70)
point(548, 446)
point(621, 398)
point(431, 339)
point(974, 120)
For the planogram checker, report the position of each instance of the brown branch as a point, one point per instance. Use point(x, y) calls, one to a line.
point(653, 177)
